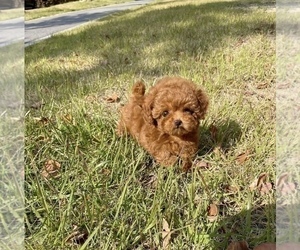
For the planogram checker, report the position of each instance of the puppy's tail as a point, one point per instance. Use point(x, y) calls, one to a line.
point(138, 89)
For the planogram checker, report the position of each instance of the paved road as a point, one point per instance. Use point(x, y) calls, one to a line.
point(42, 28)
point(11, 30)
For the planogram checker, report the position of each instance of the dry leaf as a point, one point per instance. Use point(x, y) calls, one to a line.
point(238, 245)
point(262, 85)
point(91, 98)
point(76, 237)
point(51, 169)
point(266, 246)
point(288, 188)
point(112, 98)
point(261, 185)
point(258, 181)
point(67, 118)
point(105, 171)
point(284, 186)
point(213, 131)
point(42, 120)
point(202, 164)
point(37, 105)
point(212, 212)
point(283, 178)
point(261, 179)
point(231, 188)
point(149, 181)
point(241, 158)
point(219, 152)
point(265, 188)
point(166, 234)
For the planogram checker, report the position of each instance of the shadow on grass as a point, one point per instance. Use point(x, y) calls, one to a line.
point(147, 44)
point(223, 134)
point(255, 225)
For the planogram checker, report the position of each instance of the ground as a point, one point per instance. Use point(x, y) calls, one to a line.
point(86, 188)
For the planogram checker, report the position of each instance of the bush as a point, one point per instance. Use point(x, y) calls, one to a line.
point(44, 3)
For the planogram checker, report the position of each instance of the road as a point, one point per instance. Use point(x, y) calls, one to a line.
point(11, 30)
point(42, 28)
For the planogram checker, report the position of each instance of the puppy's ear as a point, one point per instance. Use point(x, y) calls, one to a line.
point(148, 107)
point(203, 103)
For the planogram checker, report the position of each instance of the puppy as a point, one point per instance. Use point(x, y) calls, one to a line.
point(165, 121)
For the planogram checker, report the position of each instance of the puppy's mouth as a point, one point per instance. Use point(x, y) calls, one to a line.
point(179, 131)
point(179, 128)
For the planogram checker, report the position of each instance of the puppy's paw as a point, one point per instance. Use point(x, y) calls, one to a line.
point(187, 165)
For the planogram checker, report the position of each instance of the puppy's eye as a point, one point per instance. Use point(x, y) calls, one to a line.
point(189, 111)
point(165, 113)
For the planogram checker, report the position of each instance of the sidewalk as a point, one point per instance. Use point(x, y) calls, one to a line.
point(42, 28)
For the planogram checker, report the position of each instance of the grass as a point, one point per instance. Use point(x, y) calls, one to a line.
point(11, 13)
point(68, 7)
point(287, 113)
point(105, 192)
point(11, 146)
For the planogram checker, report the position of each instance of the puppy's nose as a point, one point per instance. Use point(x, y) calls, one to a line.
point(177, 123)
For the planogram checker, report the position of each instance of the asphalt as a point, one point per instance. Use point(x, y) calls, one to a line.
point(11, 31)
point(43, 28)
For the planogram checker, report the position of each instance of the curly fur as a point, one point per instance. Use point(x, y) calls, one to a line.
point(165, 121)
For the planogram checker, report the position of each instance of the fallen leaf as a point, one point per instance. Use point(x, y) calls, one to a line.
point(67, 118)
point(265, 188)
point(231, 188)
point(51, 169)
point(166, 234)
point(42, 120)
point(262, 85)
point(92, 98)
point(219, 152)
point(212, 212)
point(112, 98)
point(238, 245)
point(37, 105)
point(105, 171)
point(282, 179)
point(241, 158)
point(261, 185)
point(76, 237)
point(149, 181)
point(202, 164)
point(213, 131)
point(284, 186)
point(261, 179)
point(126, 60)
point(288, 188)
point(253, 185)
point(266, 246)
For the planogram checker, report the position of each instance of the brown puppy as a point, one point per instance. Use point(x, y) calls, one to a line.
point(165, 121)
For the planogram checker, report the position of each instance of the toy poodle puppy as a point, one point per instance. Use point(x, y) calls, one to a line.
point(165, 121)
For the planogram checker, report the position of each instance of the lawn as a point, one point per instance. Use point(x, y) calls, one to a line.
point(12, 146)
point(11, 13)
point(68, 7)
point(88, 189)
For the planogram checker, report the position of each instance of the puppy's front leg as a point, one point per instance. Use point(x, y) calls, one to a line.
point(186, 165)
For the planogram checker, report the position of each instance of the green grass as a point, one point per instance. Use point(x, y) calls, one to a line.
point(11, 13)
point(109, 187)
point(12, 146)
point(287, 112)
point(68, 7)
